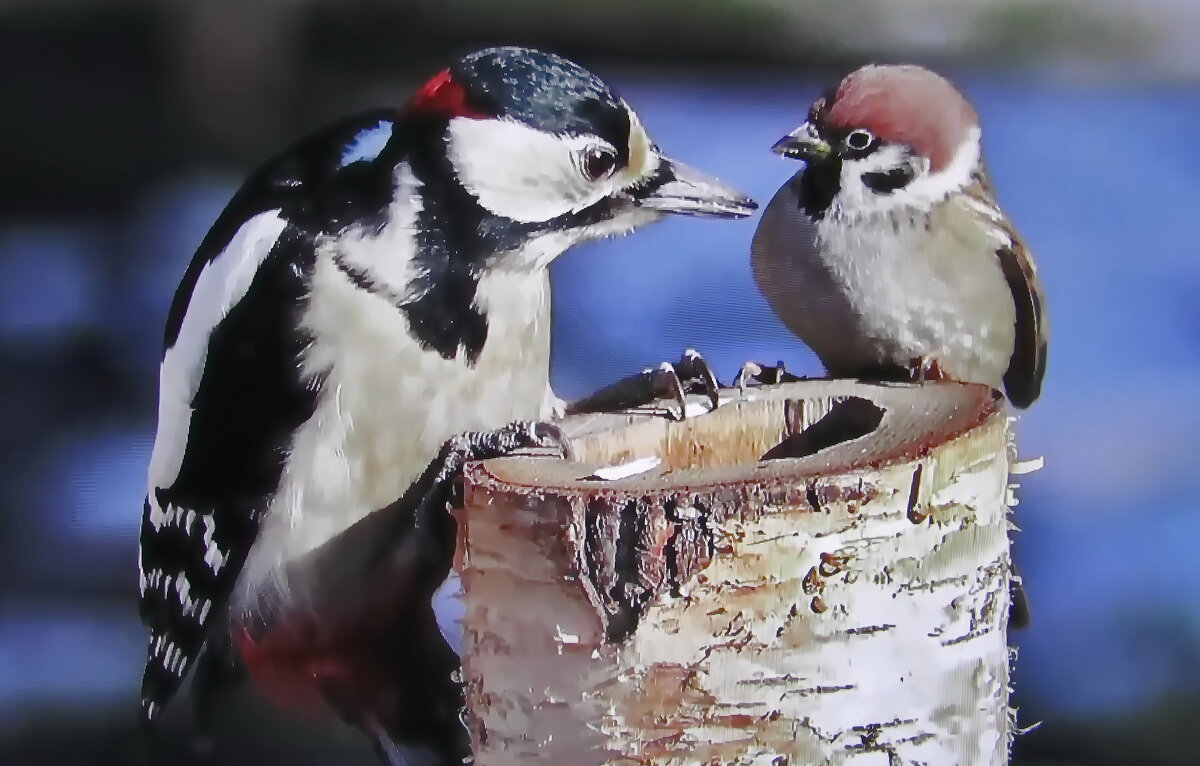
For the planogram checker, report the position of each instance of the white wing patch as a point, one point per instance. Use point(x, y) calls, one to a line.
point(222, 283)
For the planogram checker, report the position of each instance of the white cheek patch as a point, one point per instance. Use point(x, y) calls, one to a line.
point(932, 188)
point(855, 194)
point(923, 192)
point(521, 173)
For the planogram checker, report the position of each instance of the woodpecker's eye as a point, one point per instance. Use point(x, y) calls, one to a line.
point(859, 140)
point(598, 162)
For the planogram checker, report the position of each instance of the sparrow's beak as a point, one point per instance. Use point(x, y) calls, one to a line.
point(676, 188)
point(803, 143)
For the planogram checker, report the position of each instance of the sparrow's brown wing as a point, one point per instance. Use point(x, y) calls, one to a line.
point(1027, 366)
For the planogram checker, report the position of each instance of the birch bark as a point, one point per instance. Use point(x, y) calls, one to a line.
point(843, 601)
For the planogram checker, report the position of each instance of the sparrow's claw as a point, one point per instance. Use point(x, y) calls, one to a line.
point(691, 374)
point(759, 374)
point(750, 371)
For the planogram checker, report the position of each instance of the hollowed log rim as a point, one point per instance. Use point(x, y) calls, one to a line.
point(917, 419)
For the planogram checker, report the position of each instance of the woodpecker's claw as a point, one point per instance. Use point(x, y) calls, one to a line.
point(753, 372)
point(691, 374)
point(549, 436)
point(485, 445)
point(665, 381)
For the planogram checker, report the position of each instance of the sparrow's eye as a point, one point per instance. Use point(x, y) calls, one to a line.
point(598, 162)
point(860, 140)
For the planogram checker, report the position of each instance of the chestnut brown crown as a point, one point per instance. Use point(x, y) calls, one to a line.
point(903, 104)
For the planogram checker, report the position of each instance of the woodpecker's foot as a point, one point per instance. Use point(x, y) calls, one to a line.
point(762, 375)
point(485, 445)
point(690, 375)
point(439, 485)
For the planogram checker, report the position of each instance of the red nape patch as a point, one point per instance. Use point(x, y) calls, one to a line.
point(298, 669)
point(443, 95)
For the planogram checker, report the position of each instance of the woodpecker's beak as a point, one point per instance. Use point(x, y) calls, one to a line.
point(803, 143)
point(678, 189)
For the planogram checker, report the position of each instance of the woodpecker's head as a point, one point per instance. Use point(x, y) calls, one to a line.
point(539, 146)
point(885, 137)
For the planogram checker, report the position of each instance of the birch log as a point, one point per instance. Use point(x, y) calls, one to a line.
point(814, 573)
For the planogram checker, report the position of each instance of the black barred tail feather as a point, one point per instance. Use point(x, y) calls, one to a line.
point(186, 572)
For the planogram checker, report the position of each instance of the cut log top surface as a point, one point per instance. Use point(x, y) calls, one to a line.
point(808, 428)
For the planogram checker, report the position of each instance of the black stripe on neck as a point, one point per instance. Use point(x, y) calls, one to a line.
point(444, 319)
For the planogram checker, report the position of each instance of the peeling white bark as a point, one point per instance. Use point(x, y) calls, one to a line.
point(853, 611)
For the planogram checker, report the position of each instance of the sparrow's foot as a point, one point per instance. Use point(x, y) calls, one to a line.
point(690, 375)
point(762, 375)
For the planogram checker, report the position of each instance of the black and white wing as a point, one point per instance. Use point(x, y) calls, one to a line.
point(231, 389)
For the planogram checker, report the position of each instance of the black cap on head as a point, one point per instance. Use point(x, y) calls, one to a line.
point(545, 91)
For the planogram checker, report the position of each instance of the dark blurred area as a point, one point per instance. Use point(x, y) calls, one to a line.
point(127, 124)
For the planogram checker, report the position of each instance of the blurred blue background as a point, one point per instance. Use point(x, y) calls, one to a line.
point(128, 124)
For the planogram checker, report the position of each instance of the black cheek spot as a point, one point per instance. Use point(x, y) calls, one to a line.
point(886, 183)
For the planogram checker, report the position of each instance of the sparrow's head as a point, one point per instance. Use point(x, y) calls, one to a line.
point(885, 137)
point(541, 146)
